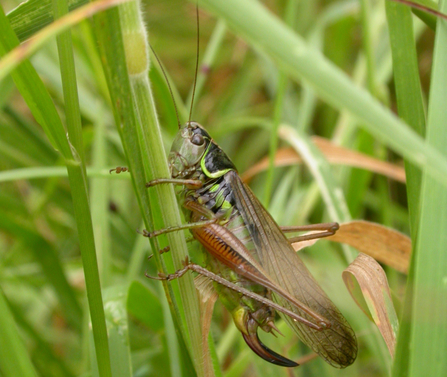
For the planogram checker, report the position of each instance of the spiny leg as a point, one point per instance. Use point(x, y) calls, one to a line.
point(177, 228)
point(226, 283)
point(190, 183)
point(328, 229)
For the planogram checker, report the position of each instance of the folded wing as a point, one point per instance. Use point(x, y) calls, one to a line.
point(338, 344)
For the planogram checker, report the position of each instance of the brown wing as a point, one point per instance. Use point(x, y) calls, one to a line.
point(338, 344)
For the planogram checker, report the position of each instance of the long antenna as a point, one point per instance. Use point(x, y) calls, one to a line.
point(197, 63)
point(169, 86)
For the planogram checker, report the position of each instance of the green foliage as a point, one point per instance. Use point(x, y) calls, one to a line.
point(338, 70)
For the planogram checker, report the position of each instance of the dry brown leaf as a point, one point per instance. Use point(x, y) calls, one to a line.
point(386, 245)
point(335, 155)
point(368, 286)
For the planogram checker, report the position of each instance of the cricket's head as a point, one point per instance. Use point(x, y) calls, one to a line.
point(194, 151)
point(248, 324)
point(188, 148)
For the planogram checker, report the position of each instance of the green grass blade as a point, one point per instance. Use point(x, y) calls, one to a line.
point(108, 30)
point(100, 202)
point(152, 146)
point(429, 325)
point(31, 16)
point(408, 90)
point(34, 92)
point(279, 109)
point(78, 185)
point(6, 87)
point(14, 359)
point(411, 109)
point(117, 330)
point(66, 58)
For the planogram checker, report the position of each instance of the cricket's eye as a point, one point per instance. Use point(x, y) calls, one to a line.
point(197, 140)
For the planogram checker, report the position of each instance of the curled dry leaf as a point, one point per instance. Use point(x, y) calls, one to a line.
point(386, 245)
point(368, 286)
point(335, 155)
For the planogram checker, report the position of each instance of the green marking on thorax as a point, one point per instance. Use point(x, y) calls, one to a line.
point(217, 174)
point(226, 205)
point(214, 188)
point(219, 199)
